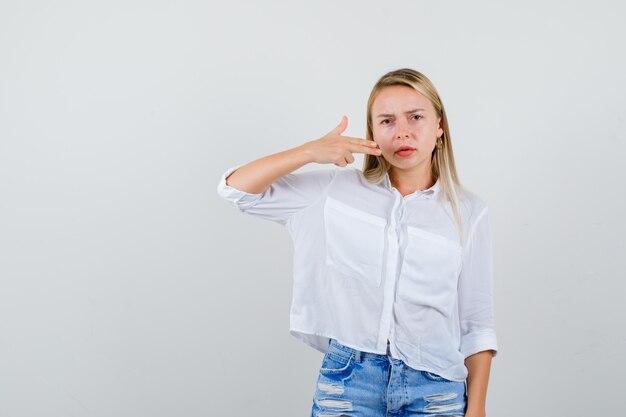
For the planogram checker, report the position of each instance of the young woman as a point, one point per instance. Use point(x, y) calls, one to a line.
point(392, 264)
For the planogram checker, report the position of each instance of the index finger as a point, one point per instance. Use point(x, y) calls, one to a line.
point(363, 142)
point(359, 148)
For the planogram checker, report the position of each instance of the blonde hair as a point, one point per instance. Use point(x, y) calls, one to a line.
point(375, 167)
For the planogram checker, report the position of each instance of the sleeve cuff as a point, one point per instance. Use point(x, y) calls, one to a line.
point(476, 342)
point(237, 198)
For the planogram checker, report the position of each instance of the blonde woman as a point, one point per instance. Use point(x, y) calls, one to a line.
point(392, 263)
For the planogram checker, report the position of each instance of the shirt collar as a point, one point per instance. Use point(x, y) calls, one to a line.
point(428, 193)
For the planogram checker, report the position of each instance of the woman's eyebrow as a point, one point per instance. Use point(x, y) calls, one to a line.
point(406, 112)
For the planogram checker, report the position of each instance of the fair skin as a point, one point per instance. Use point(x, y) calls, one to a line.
point(332, 148)
point(403, 117)
point(478, 368)
point(395, 124)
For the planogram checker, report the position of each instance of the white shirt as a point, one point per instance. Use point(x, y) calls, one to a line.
point(371, 265)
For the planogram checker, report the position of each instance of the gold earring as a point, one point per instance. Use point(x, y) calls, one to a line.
point(439, 142)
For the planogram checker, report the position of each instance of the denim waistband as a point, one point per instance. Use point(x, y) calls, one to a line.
point(358, 354)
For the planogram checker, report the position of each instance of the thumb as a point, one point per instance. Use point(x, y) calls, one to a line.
point(342, 126)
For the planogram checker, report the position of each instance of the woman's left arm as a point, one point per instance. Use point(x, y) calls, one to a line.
point(476, 316)
point(478, 367)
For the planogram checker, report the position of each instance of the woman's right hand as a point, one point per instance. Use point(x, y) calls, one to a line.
point(336, 149)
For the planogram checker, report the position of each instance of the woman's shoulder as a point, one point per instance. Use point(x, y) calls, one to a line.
point(350, 174)
point(470, 202)
point(470, 196)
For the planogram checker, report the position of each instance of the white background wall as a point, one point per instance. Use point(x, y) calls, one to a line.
point(129, 288)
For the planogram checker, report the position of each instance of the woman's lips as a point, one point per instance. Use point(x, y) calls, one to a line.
point(405, 151)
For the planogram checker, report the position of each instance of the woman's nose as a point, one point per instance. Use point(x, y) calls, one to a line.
point(402, 130)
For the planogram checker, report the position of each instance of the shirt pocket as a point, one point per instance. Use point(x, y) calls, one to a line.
point(430, 270)
point(355, 241)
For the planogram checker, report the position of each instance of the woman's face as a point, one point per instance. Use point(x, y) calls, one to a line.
point(402, 117)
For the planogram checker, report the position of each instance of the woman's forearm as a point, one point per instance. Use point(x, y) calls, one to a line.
point(478, 367)
point(256, 176)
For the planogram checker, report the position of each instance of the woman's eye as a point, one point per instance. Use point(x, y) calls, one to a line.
point(417, 116)
point(383, 121)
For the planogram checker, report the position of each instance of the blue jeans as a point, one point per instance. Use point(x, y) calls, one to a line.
point(365, 384)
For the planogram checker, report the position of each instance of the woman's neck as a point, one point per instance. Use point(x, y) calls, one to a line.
point(407, 182)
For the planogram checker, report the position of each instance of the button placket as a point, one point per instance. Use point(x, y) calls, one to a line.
point(391, 273)
point(400, 239)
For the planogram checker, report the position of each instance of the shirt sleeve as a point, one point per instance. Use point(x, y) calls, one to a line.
point(284, 197)
point(476, 291)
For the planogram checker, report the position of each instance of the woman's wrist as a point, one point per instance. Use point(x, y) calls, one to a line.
point(475, 413)
point(303, 154)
